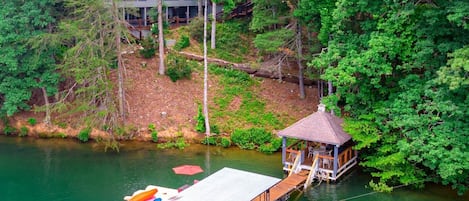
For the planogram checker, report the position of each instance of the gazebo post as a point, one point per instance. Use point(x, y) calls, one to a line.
point(336, 160)
point(284, 150)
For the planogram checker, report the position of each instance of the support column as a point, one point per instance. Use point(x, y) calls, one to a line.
point(284, 150)
point(145, 16)
point(336, 160)
point(187, 14)
point(167, 14)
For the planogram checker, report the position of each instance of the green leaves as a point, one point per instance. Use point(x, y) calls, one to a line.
point(456, 73)
point(25, 67)
point(271, 42)
point(401, 72)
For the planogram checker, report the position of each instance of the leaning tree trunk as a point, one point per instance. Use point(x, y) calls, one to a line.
point(214, 23)
point(207, 124)
point(300, 66)
point(46, 101)
point(120, 64)
point(160, 37)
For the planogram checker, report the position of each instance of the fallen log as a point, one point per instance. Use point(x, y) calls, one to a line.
point(246, 68)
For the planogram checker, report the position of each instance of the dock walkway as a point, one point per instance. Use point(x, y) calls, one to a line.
point(286, 186)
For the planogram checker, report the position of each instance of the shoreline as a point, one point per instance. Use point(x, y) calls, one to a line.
point(41, 130)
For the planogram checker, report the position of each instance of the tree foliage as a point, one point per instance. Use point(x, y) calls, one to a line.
point(401, 72)
point(89, 32)
point(26, 64)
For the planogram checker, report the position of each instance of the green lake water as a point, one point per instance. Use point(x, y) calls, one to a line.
point(66, 170)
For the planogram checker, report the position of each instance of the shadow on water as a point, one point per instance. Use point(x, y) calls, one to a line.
point(58, 169)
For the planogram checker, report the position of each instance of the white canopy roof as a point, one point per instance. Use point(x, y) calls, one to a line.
point(228, 184)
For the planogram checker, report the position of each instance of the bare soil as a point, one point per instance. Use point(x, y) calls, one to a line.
point(172, 106)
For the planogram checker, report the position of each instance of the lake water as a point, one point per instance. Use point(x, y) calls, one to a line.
point(66, 170)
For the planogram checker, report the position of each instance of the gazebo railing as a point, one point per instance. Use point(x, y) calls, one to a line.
point(347, 159)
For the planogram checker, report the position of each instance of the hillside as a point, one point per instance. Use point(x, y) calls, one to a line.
point(172, 106)
point(150, 95)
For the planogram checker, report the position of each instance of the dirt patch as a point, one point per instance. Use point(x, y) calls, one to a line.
point(172, 106)
point(235, 104)
point(284, 98)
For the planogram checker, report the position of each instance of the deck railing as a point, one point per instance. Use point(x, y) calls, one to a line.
point(293, 151)
point(139, 24)
point(345, 156)
point(347, 159)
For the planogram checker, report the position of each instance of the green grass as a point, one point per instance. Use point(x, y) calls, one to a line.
point(251, 111)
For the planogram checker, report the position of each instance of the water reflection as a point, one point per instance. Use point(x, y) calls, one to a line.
point(57, 169)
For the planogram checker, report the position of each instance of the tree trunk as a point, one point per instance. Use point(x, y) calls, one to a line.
point(199, 8)
point(120, 66)
point(207, 124)
point(46, 101)
point(160, 36)
point(329, 91)
point(279, 69)
point(300, 66)
point(214, 23)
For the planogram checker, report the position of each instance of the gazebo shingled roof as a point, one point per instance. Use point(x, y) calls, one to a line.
point(320, 127)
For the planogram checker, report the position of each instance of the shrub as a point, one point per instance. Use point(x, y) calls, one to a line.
point(32, 121)
point(182, 43)
point(271, 147)
point(178, 143)
point(154, 136)
point(8, 130)
point(200, 124)
point(124, 132)
point(230, 46)
point(200, 118)
point(148, 50)
point(62, 125)
point(212, 140)
point(214, 129)
point(251, 138)
point(84, 134)
point(196, 29)
point(225, 142)
point(154, 133)
point(177, 68)
point(23, 131)
point(242, 138)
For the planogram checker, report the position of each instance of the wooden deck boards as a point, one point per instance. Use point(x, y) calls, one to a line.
point(285, 186)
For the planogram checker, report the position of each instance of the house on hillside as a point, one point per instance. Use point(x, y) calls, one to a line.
point(138, 13)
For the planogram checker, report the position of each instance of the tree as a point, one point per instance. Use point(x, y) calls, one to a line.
point(26, 65)
point(90, 32)
point(160, 37)
point(228, 5)
point(120, 63)
point(398, 72)
point(279, 34)
point(207, 123)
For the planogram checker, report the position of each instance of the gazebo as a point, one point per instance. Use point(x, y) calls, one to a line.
point(322, 146)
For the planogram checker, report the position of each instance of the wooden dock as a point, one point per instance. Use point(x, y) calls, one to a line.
point(286, 186)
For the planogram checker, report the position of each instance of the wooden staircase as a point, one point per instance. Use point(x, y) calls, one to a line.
point(242, 10)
